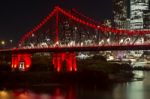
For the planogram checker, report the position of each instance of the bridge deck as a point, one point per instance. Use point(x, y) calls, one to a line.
point(77, 49)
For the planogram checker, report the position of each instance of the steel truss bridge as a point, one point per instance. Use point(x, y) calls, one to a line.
point(66, 32)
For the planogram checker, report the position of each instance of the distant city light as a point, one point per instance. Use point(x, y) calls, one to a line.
point(3, 42)
point(33, 35)
point(11, 41)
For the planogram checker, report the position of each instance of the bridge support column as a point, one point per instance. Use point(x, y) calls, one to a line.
point(59, 58)
point(56, 59)
point(74, 62)
point(21, 62)
point(71, 62)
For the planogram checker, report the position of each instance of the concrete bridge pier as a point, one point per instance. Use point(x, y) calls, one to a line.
point(58, 60)
point(71, 62)
point(21, 62)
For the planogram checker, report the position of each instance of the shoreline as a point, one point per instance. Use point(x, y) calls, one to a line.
point(95, 70)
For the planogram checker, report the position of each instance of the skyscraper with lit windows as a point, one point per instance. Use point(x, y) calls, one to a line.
point(137, 8)
point(120, 13)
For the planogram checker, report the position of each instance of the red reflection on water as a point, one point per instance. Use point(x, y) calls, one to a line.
point(58, 93)
point(20, 94)
point(24, 94)
point(71, 94)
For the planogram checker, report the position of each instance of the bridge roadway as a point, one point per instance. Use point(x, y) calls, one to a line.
point(77, 49)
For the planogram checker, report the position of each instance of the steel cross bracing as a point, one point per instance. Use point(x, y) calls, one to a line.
point(63, 28)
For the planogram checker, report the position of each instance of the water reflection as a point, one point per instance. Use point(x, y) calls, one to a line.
point(130, 90)
point(4, 95)
point(138, 75)
point(134, 90)
point(58, 93)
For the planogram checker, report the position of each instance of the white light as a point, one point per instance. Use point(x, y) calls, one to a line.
point(108, 40)
point(33, 35)
point(11, 41)
point(3, 42)
point(47, 39)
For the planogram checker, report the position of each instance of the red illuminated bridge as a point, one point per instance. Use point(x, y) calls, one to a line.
point(65, 32)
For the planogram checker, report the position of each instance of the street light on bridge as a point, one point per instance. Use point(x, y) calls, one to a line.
point(3, 43)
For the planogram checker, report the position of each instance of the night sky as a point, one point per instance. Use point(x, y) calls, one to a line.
point(19, 16)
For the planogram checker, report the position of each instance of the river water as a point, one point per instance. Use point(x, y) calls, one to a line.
point(130, 90)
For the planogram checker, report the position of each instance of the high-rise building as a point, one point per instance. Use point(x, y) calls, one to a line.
point(137, 8)
point(119, 13)
point(146, 19)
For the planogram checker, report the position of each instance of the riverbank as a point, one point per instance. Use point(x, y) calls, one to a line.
point(116, 72)
point(95, 70)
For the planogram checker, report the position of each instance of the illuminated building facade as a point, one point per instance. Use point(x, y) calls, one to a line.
point(119, 13)
point(137, 8)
